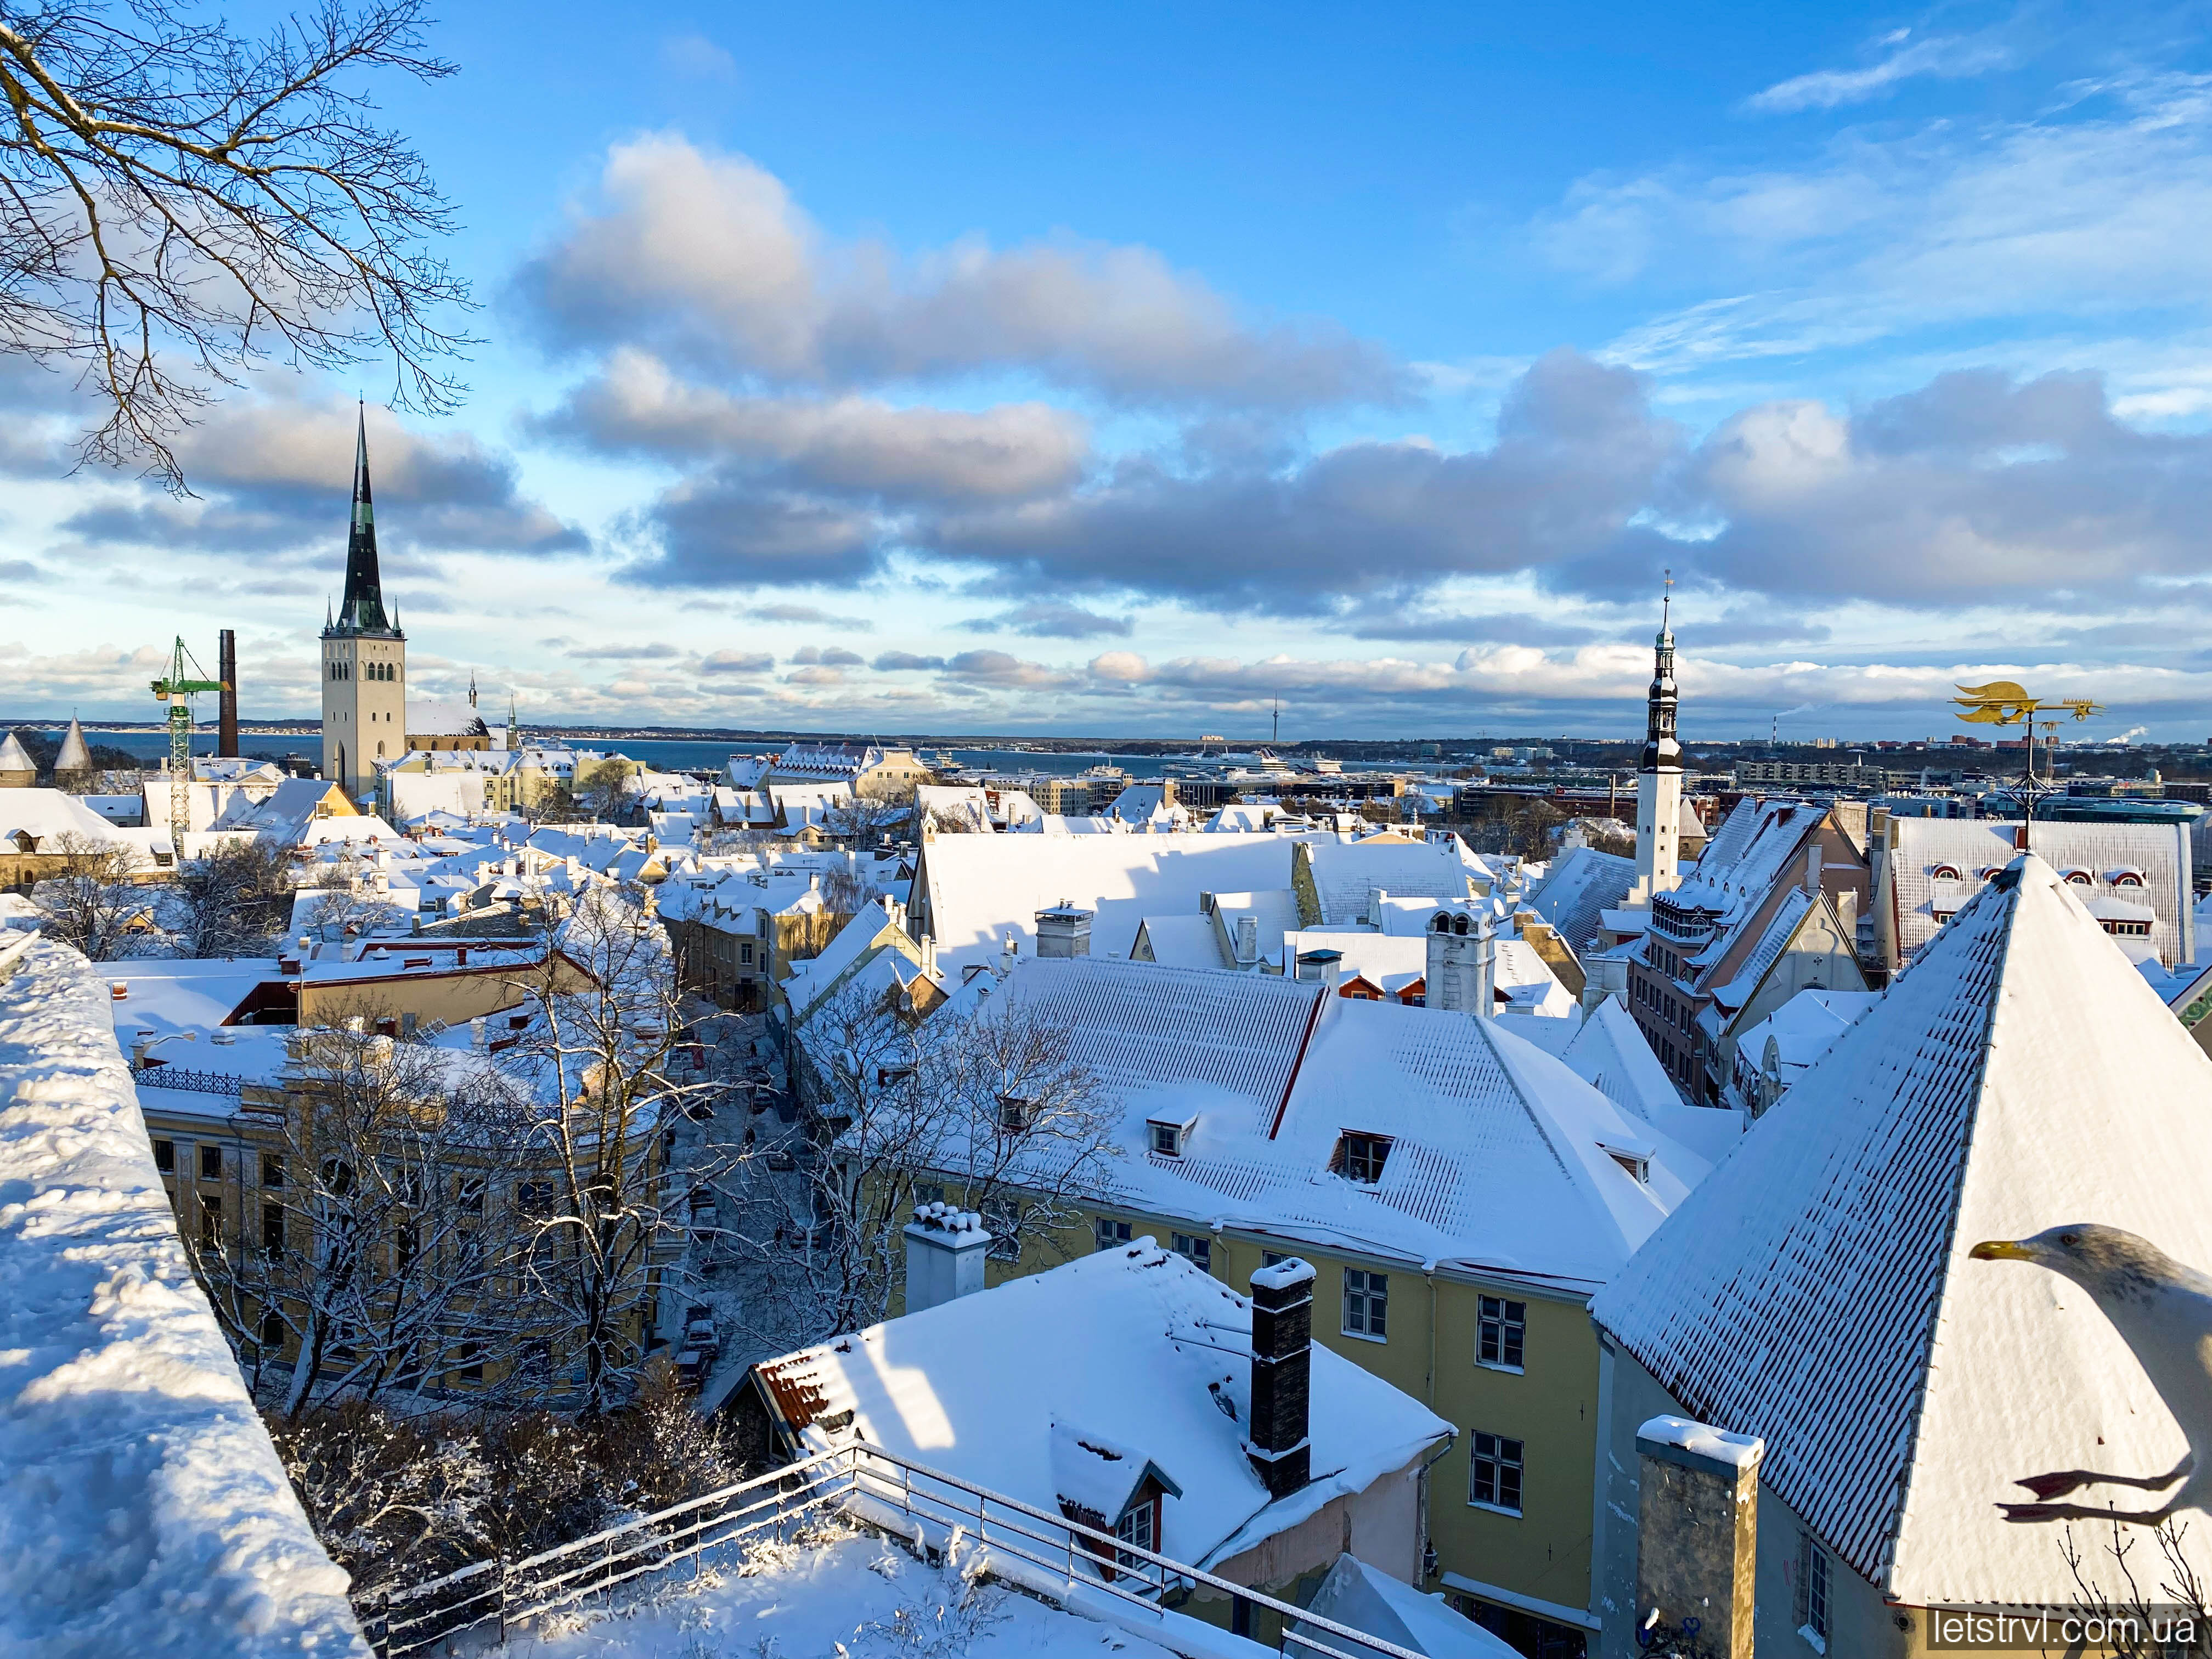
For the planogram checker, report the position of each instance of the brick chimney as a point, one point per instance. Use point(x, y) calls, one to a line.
point(1063, 931)
point(1697, 1537)
point(945, 1248)
point(1282, 1364)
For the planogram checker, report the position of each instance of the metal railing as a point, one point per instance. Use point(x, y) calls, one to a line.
point(1075, 1566)
point(159, 1076)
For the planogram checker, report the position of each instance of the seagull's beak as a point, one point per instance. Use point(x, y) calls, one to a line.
point(2002, 1250)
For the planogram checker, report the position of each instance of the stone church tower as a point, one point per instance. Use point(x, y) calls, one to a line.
point(364, 658)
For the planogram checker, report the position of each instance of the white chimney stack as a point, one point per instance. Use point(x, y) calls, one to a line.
point(945, 1248)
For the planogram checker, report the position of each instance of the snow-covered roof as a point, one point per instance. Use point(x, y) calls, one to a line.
point(2021, 1074)
point(428, 717)
point(978, 888)
point(1968, 848)
point(14, 758)
point(1581, 884)
point(75, 754)
point(142, 1510)
point(1499, 1153)
point(1184, 942)
point(1132, 1350)
point(1367, 1599)
point(1805, 1028)
point(881, 926)
point(45, 816)
point(1346, 875)
point(966, 806)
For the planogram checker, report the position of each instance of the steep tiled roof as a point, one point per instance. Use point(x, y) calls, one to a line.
point(1581, 883)
point(2019, 1075)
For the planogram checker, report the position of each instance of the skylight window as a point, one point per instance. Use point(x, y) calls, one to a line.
point(1361, 1158)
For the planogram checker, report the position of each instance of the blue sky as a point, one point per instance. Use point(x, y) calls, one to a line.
point(1092, 369)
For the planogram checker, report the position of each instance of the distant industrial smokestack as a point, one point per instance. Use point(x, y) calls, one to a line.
point(227, 737)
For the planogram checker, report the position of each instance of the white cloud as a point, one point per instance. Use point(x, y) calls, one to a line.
point(707, 256)
point(1948, 56)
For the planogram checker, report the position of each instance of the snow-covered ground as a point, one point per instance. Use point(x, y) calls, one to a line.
point(142, 1510)
point(852, 1593)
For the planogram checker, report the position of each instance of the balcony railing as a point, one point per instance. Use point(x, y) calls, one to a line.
point(198, 1083)
point(1076, 1567)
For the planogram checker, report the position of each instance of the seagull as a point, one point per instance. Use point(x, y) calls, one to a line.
point(2163, 1312)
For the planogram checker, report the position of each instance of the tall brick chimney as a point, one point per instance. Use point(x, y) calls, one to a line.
point(227, 705)
point(1282, 1365)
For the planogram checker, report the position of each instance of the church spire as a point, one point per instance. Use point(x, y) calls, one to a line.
point(1659, 748)
point(362, 609)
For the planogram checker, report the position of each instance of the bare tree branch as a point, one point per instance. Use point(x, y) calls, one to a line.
point(180, 205)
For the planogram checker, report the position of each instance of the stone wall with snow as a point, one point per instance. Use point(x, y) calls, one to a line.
point(142, 1510)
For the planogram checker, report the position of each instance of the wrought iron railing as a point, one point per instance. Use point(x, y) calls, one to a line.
point(198, 1083)
point(1075, 1566)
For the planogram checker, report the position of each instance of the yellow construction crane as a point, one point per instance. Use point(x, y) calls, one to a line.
point(177, 689)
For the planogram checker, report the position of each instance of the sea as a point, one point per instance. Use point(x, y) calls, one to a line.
point(668, 755)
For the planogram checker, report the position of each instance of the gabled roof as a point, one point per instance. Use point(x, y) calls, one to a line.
point(978, 888)
point(1581, 885)
point(1345, 874)
point(2019, 1075)
point(1500, 1154)
point(1132, 1350)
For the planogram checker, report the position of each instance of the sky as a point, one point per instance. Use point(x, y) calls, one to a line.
point(1120, 370)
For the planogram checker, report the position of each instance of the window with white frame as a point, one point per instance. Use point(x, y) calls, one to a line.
point(1140, 1529)
point(1194, 1248)
point(1167, 1139)
point(1494, 1473)
point(1811, 1587)
point(1501, 1334)
point(1366, 1303)
point(1110, 1233)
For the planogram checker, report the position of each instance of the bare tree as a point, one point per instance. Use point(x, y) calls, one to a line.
point(606, 1057)
point(237, 899)
point(991, 1107)
point(382, 1254)
point(847, 890)
point(864, 820)
point(180, 204)
point(91, 901)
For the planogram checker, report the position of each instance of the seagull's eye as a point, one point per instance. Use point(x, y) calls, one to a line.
point(2069, 1240)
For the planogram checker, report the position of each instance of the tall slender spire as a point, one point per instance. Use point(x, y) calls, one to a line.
point(1659, 748)
point(362, 609)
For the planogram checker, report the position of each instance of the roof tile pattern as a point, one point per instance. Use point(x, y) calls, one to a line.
point(1815, 1290)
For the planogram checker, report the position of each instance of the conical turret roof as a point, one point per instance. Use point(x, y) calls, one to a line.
point(75, 754)
point(1816, 1290)
point(14, 758)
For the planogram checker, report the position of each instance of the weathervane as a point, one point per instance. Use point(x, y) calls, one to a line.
point(2005, 702)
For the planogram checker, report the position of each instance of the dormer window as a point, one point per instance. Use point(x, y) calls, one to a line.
point(1361, 1158)
point(1168, 1139)
point(1636, 1160)
point(1944, 872)
point(2077, 877)
point(2126, 877)
point(1016, 1114)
